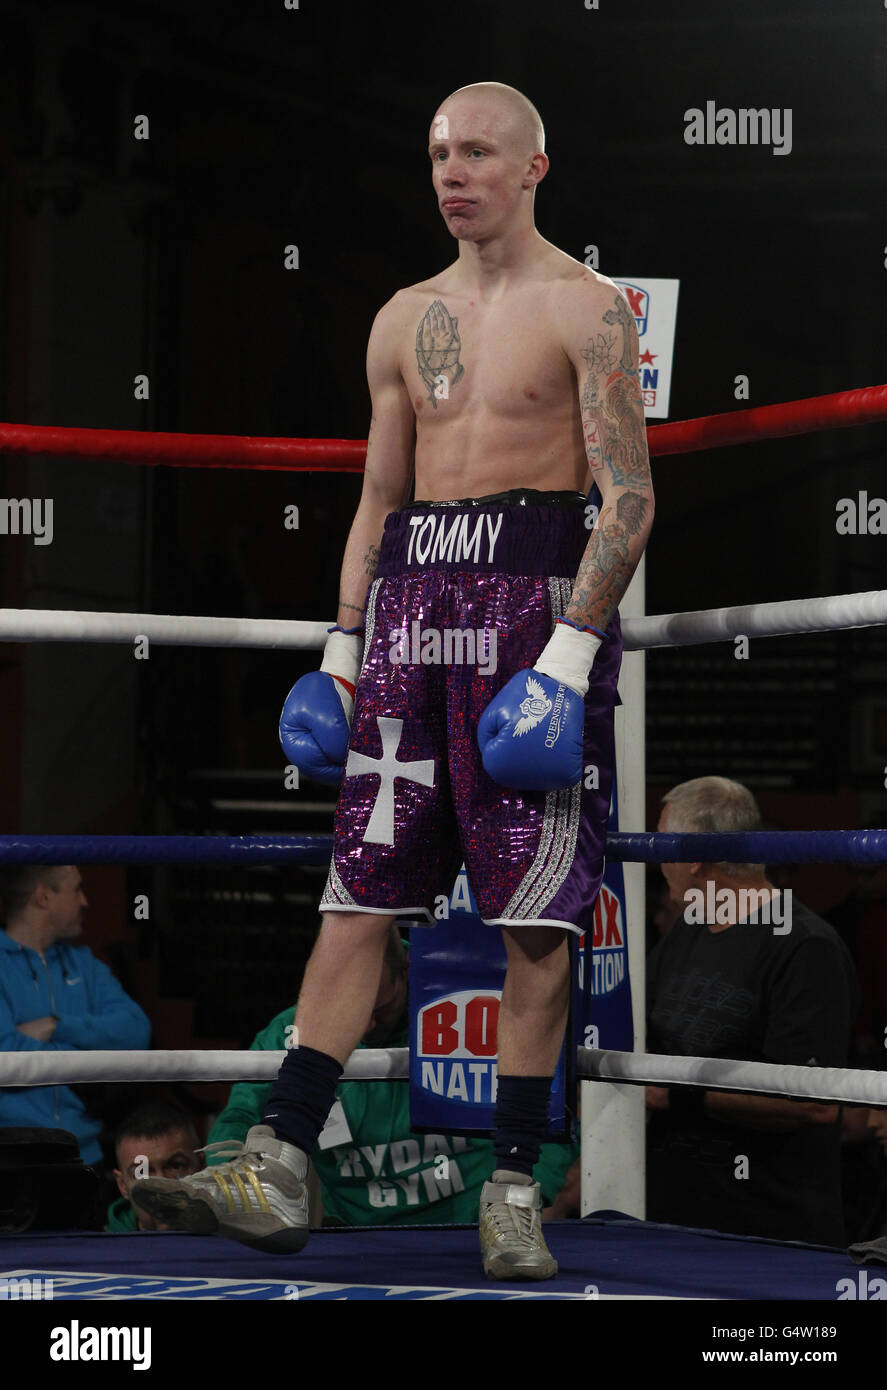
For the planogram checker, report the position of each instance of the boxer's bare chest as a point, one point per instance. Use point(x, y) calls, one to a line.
point(462, 357)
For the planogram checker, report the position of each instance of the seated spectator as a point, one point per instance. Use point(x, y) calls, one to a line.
point(864, 1172)
point(157, 1140)
point(860, 921)
point(876, 1119)
point(55, 996)
point(770, 984)
point(662, 912)
point(372, 1169)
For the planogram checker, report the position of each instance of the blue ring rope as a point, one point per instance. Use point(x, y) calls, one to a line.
point(747, 847)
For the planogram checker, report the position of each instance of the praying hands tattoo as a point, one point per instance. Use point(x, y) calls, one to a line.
point(437, 351)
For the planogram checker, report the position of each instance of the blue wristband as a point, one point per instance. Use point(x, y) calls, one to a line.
point(568, 622)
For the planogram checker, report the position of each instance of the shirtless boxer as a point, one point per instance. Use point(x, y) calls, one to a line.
point(509, 384)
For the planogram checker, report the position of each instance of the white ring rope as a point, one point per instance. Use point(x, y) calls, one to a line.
point(781, 619)
point(721, 1074)
point(66, 625)
point(76, 1068)
point(392, 1063)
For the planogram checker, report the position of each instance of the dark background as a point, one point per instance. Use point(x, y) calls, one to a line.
point(271, 127)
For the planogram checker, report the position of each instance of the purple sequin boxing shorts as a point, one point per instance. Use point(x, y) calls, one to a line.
point(465, 595)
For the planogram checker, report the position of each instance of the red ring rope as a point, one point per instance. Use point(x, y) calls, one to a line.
point(866, 405)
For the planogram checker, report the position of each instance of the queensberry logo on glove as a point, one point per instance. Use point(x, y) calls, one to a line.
point(530, 735)
point(554, 724)
point(534, 709)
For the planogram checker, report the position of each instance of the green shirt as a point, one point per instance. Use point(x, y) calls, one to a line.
point(121, 1216)
point(387, 1174)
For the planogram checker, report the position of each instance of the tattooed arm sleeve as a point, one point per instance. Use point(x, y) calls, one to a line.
point(603, 348)
point(388, 473)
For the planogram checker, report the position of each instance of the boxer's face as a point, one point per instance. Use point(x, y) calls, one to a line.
point(480, 166)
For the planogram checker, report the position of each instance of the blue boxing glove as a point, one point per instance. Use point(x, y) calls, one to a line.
point(315, 725)
point(531, 734)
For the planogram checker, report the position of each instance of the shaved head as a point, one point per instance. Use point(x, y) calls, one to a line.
point(524, 124)
point(487, 152)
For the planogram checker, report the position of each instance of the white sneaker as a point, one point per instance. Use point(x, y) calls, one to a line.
point(260, 1197)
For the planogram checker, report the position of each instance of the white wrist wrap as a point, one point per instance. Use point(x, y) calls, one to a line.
point(569, 657)
point(343, 657)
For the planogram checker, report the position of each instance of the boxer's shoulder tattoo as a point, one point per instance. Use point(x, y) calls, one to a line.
point(600, 352)
point(611, 406)
point(621, 314)
point(437, 351)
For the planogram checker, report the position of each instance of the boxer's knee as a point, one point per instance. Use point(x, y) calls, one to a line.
point(347, 932)
point(538, 970)
point(535, 944)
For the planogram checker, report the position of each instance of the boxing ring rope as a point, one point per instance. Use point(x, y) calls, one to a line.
point(832, 1084)
point(61, 625)
point(77, 1068)
point(826, 1084)
point(630, 847)
point(153, 448)
point(782, 618)
point(165, 849)
point(839, 410)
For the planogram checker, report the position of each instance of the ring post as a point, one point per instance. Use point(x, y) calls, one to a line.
point(612, 1124)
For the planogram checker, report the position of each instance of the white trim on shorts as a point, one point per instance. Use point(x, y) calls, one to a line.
point(378, 911)
point(531, 922)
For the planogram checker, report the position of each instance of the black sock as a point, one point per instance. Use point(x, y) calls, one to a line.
point(521, 1121)
point(302, 1096)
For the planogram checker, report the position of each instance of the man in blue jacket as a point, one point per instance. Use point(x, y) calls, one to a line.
point(55, 996)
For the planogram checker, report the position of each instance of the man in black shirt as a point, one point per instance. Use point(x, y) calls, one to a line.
point(745, 973)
